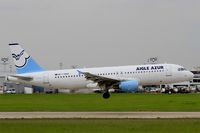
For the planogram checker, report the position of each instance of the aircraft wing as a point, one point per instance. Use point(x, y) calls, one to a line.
point(22, 77)
point(100, 79)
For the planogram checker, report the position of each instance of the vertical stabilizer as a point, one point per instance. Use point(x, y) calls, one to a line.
point(24, 62)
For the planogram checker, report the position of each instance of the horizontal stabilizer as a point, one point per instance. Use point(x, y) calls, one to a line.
point(21, 77)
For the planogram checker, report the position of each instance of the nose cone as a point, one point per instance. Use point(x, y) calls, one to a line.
point(190, 75)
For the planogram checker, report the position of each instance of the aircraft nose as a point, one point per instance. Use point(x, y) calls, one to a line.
point(190, 75)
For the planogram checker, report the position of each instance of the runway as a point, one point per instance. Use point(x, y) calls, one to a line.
point(97, 115)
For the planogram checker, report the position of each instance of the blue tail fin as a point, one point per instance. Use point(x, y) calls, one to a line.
point(24, 63)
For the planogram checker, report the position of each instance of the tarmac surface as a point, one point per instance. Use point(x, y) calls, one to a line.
point(98, 115)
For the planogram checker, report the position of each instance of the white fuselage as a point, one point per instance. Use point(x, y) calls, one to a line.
point(153, 74)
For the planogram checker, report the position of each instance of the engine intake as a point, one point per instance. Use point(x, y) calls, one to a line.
point(129, 86)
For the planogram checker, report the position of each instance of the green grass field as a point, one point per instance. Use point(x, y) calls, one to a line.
point(101, 126)
point(95, 102)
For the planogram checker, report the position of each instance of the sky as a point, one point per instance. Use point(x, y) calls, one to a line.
point(95, 33)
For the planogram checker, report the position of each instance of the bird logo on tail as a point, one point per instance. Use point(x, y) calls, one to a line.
point(20, 59)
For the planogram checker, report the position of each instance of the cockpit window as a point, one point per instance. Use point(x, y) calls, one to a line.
point(182, 69)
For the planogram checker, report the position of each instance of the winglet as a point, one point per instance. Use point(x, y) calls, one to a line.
point(79, 72)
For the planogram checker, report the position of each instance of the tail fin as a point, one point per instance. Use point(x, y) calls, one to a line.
point(24, 63)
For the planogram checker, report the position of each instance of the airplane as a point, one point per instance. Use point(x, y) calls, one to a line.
point(123, 78)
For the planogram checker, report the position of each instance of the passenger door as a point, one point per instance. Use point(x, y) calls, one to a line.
point(168, 71)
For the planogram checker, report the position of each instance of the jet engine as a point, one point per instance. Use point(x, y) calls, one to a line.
point(129, 86)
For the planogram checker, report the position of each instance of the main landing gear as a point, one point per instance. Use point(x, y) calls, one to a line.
point(106, 94)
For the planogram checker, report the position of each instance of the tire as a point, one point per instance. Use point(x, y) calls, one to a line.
point(106, 95)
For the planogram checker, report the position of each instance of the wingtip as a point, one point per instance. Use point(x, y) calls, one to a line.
point(80, 72)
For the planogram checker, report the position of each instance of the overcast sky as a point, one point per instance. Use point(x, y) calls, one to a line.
point(94, 33)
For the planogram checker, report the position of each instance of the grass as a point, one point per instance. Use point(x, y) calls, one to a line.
point(95, 102)
point(101, 126)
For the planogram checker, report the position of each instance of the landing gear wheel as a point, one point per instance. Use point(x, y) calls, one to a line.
point(106, 95)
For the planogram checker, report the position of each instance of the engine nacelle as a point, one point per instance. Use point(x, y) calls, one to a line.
point(129, 86)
